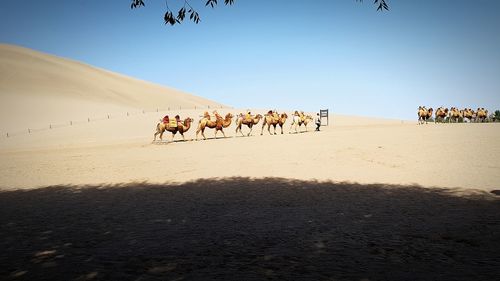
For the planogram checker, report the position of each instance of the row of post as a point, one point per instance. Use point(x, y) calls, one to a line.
point(108, 117)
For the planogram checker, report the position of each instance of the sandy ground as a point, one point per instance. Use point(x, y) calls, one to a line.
point(247, 229)
point(353, 149)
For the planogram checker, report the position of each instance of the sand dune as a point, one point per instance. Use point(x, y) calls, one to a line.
point(38, 89)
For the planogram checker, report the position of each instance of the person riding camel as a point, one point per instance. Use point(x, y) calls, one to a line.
point(178, 119)
point(165, 119)
point(248, 116)
point(206, 115)
point(275, 114)
point(217, 115)
point(302, 116)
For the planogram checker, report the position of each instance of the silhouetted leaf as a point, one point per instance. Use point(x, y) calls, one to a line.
point(169, 18)
point(212, 3)
point(182, 14)
point(136, 3)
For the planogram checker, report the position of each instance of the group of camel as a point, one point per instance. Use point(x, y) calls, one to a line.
point(454, 114)
point(271, 119)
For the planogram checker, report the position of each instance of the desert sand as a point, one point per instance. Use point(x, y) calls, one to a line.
point(86, 194)
point(353, 149)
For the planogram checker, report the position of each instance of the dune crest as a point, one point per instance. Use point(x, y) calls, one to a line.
point(40, 88)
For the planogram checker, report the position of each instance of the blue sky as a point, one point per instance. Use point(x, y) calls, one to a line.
point(342, 54)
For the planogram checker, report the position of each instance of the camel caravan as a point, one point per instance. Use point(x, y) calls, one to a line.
point(452, 115)
point(271, 119)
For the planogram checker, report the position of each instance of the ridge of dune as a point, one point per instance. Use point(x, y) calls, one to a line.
point(51, 88)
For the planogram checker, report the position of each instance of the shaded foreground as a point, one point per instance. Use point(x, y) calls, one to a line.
point(245, 229)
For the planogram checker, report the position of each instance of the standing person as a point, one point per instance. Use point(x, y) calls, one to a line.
point(317, 121)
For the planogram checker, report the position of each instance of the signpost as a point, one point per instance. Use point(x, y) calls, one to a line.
point(324, 113)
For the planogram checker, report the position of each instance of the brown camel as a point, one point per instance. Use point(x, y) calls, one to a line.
point(469, 114)
point(248, 120)
point(455, 115)
point(441, 114)
point(298, 119)
point(424, 114)
point(273, 119)
point(182, 127)
point(219, 124)
point(481, 115)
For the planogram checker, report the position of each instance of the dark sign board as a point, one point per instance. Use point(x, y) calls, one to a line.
point(324, 113)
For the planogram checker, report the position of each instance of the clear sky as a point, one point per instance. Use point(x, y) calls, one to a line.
point(337, 54)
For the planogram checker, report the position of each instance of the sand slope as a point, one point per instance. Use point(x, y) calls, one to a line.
point(38, 89)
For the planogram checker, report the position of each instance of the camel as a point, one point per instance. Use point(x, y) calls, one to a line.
point(481, 115)
point(247, 120)
point(424, 114)
point(441, 114)
point(469, 114)
point(298, 119)
point(182, 127)
point(219, 124)
point(273, 119)
point(455, 114)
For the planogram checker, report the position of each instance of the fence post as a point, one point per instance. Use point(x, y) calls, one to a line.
point(157, 109)
point(127, 113)
point(168, 108)
point(88, 119)
point(7, 134)
point(29, 131)
point(71, 123)
point(50, 126)
point(143, 111)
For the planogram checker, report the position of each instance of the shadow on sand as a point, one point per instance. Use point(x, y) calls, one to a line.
point(248, 229)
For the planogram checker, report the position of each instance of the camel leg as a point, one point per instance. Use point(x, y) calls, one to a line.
point(269, 129)
point(203, 134)
point(249, 133)
point(173, 135)
point(183, 138)
point(223, 133)
point(262, 130)
point(274, 126)
point(238, 128)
